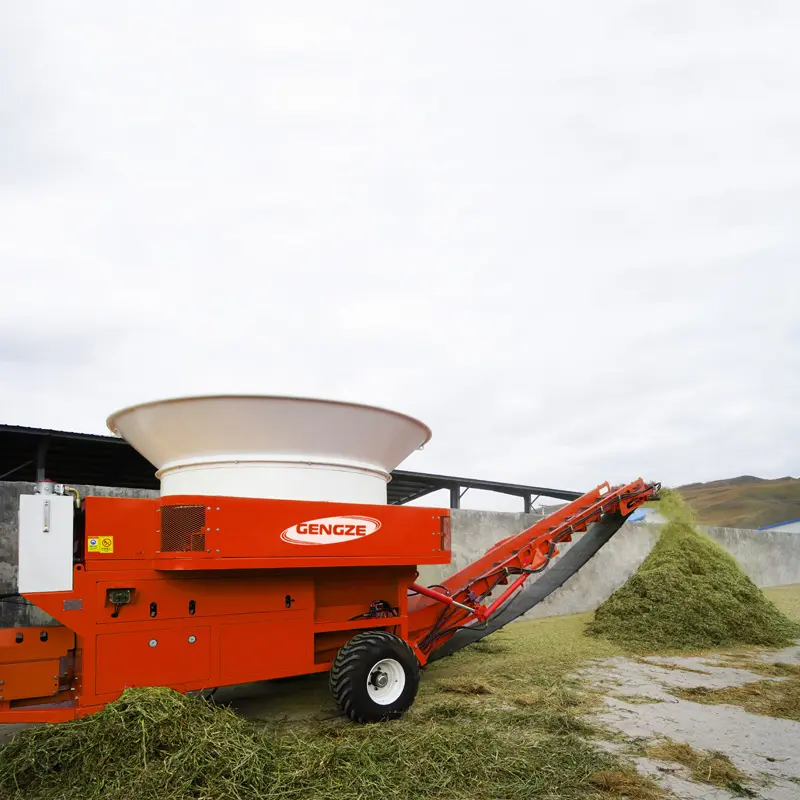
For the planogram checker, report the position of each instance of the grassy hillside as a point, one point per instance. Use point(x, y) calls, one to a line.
point(744, 502)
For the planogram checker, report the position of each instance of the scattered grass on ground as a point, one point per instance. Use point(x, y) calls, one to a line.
point(770, 698)
point(527, 738)
point(777, 670)
point(689, 593)
point(556, 698)
point(157, 744)
point(489, 645)
point(625, 784)
point(464, 686)
point(706, 766)
point(669, 666)
point(638, 699)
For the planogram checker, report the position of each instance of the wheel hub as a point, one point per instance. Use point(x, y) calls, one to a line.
point(380, 679)
point(386, 682)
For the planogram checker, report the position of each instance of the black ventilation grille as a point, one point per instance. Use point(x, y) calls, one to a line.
point(182, 529)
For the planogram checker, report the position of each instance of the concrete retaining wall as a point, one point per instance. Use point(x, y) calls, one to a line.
point(770, 558)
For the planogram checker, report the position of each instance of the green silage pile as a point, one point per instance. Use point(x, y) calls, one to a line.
point(689, 593)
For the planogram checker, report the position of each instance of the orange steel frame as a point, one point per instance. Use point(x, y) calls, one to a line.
point(238, 603)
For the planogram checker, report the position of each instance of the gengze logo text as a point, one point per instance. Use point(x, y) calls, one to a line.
point(331, 530)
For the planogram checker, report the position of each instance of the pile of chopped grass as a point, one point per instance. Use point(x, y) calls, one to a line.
point(155, 744)
point(149, 743)
point(690, 594)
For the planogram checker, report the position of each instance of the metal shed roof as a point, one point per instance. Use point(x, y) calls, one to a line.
point(90, 459)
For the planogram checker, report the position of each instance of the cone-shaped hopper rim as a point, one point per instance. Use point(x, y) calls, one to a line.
point(110, 420)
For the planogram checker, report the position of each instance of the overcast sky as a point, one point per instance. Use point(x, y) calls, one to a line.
point(565, 235)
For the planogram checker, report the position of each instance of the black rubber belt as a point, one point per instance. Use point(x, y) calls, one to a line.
point(561, 570)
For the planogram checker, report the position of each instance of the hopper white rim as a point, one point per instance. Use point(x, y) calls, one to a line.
point(112, 417)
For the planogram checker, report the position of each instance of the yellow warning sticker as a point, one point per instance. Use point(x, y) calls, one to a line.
point(102, 544)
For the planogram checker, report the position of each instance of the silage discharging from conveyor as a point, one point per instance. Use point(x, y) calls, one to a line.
point(689, 593)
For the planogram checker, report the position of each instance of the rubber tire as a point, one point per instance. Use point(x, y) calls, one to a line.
point(353, 662)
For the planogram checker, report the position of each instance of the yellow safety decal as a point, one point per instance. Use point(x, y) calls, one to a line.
point(103, 544)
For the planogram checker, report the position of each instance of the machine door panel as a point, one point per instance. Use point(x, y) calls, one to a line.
point(183, 598)
point(256, 651)
point(159, 657)
point(29, 679)
point(45, 543)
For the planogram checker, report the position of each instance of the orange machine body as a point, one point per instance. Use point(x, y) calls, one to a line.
point(201, 592)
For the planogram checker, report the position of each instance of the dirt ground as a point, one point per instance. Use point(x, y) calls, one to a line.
point(638, 704)
point(632, 700)
point(765, 749)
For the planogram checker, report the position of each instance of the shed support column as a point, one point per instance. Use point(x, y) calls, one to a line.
point(41, 455)
point(455, 497)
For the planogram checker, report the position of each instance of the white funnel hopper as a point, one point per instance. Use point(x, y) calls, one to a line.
point(286, 448)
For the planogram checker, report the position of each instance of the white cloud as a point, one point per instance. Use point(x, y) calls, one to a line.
point(564, 236)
